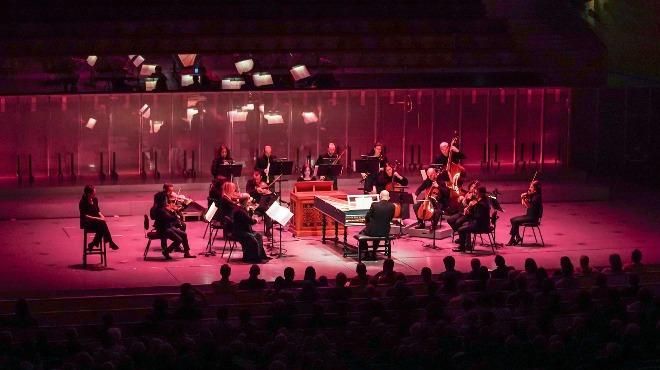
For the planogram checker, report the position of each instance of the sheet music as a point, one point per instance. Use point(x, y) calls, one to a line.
point(423, 172)
point(211, 212)
point(279, 214)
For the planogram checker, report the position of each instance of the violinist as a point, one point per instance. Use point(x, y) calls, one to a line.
point(173, 205)
point(432, 191)
point(263, 195)
point(222, 157)
point(370, 178)
point(458, 218)
point(165, 223)
point(533, 201)
point(227, 201)
point(251, 242)
point(306, 174)
point(330, 157)
point(441, 160)
point(477, 215)
point(264, 162)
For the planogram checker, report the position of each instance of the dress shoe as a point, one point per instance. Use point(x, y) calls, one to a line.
point(188, 255)
point(515, 240)
point(459, 249)
point(91, 245)
point(167, 256)
point(113, 246)
point(420, 226)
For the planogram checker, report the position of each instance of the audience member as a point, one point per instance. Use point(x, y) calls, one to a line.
point(289, 278)
point(501, 270)
point(475, 265)
point(564, 277)
point(450, 269)
point(310, 275)
point(224, 285)
point(253, 282)
point(635, 264)
point(584, 269)
point(362, 279)
point(189, 303)
point(387, 276)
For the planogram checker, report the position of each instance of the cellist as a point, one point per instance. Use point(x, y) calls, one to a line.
point(393, 182)
point(432, 195)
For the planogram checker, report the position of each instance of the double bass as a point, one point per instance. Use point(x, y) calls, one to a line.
point(454, 172)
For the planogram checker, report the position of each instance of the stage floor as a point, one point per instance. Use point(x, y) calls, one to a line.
point(43, 257)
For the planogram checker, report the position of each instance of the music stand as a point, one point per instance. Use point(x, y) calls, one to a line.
point(281, 215)
point(403, 198)
point(367, 165)
point(230, 171)
point(329, 171)
point(278, 168)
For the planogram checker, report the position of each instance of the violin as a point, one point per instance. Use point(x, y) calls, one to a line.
point(525, 197)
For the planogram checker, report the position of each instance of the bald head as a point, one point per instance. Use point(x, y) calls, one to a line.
point(332, 148)
point(444, 148)
point(384, 195)
point(268, 150)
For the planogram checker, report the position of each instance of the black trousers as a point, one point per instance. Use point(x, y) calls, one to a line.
point(456, 220)
point(176, 235)
point(100, 228)
point(369, 182)
point(466, 229)
point(519, 220)
point(364, 245)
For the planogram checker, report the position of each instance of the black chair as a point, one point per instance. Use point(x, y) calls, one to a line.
point(490, 234)
point(534, 226)
point(228, 237)
point(150, 233)
point(385, 242)
point(99, 249)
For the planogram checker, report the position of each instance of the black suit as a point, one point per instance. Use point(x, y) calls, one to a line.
point(165, 223)
point(378, 220)
point(534, 212)
point(442, 159)
point(262, 164)
point(328, 159)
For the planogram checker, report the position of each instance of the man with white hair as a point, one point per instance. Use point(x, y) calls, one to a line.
point(264, 161)
point(442, 159)
point(378, 221)
point(329, 158)
point(434, 191)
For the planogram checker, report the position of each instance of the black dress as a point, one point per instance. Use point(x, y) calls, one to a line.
point(251, 242)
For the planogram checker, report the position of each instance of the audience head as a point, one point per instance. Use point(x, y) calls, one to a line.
point(636, 256)
point(289, 274)
point(225, 271)
point(616, 264)
point(388, 265)
point(450, 263)
point(427, 276)
point(584, 263)
point(566, 266)
point(341, 279)
point(361, 269)
point(310, 274)
point(530, 266)
point(475, 264)
point(499, 261)
point(255, 270)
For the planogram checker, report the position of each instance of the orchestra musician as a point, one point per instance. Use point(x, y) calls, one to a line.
point(331, 157)
point(392, 181)
point(223, 156)
point(439, 201)
point(263, 195)
point(478, 219)
point(533, 201)
point(370, 179)
point(458, 218)
point(263, 163)
point(173, 205)
point(251, 242)
point(306, 174)
point(441, 159)
point(92, 219)
point(377, 221)
point(165, 222)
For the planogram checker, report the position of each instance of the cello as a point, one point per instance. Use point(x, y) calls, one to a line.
point(391, 186)
point(427, 209)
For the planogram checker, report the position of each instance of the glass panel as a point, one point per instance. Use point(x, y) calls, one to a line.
point(361, 124)
point(333, 122)
point(419, 119)
point(125, 139)
point(555, 125)
point(10, 131)
point(447, 116)
point(63, 135)
point(529, 124)
point(502, 105)
point(473, 125)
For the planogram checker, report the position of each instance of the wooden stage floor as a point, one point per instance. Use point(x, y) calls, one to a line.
point(43, 256)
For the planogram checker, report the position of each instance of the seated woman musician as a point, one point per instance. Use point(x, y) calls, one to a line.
point(393, 182)
point(306, 174)
point(92, 219)
point(222, 157)
point(533, 201)
point(370, 178)
point(165, 222)
point(431, 194)
point(251, 242)
point(263, 195)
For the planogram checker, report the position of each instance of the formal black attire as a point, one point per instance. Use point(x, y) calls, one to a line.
point(439, 204)
point(328, 158)
point(251, 242)
point(478, 221)
point(99, 227)
point(301, 179)
point(381, 183)
point(458, 218)
point(264, 202)
point(533, 214)
point(377, 221)
point(166, 224)
point(262, 163)
point(442, 159)
point(371, 177)
point(217, 162)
